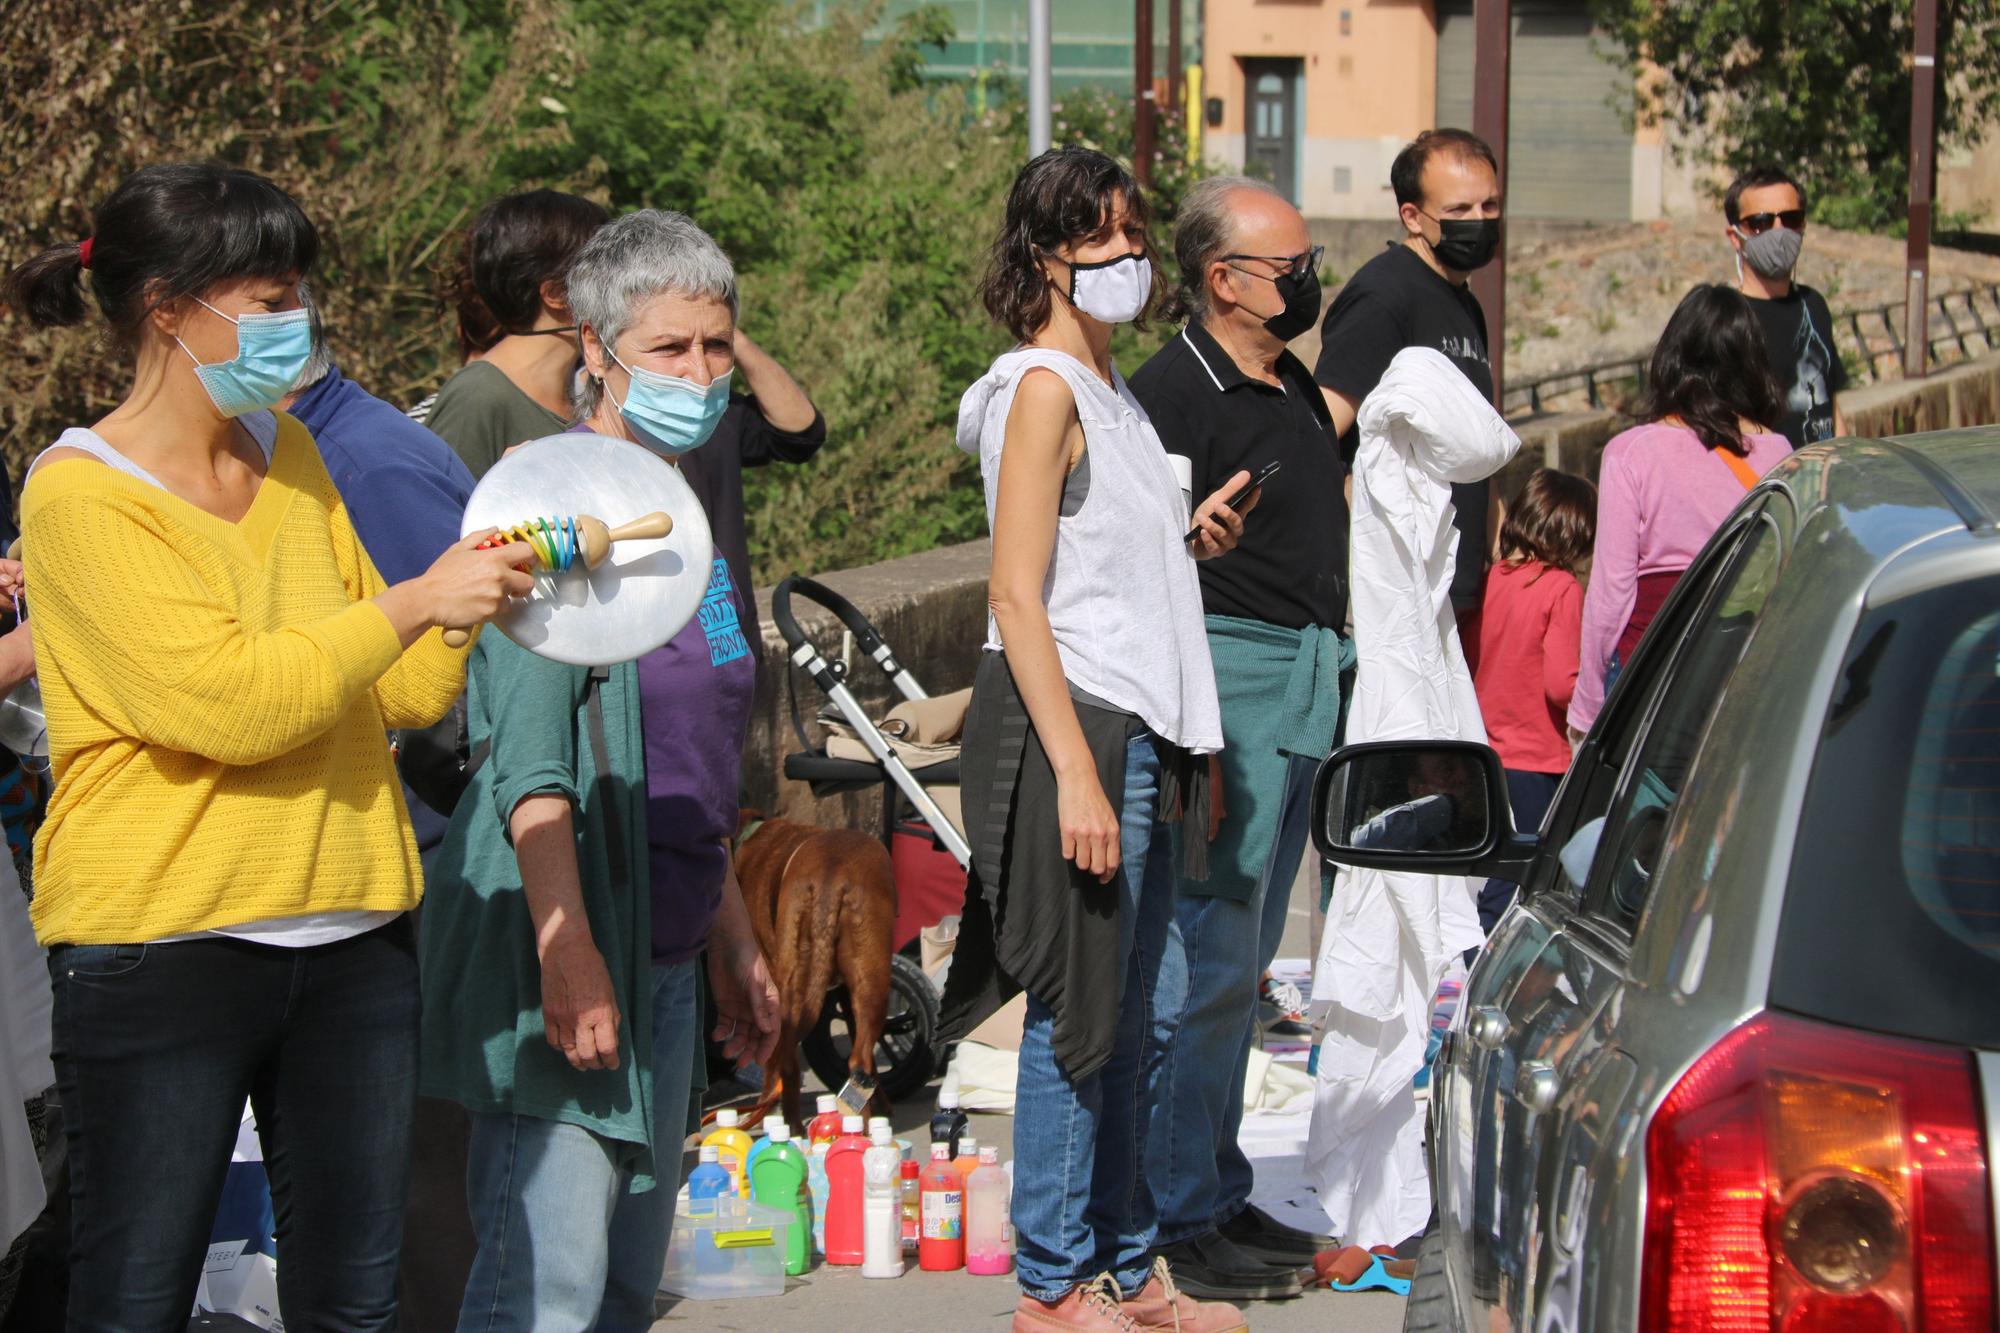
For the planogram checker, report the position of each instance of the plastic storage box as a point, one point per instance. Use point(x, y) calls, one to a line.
point(737, 1251)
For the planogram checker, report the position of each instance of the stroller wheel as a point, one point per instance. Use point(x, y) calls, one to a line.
point(905, 1055)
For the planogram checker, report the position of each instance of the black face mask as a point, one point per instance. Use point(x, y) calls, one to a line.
point(1465, 245)
point(1300, 292)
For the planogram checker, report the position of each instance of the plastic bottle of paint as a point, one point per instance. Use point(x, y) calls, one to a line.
point(778, 1179)
point(817, 1183)
point(966, 1159)
point(707, 1183)
point(732, 1149)
point(825, 1127)
point(762, 1142)
point(941, 1247)
point(986, 1251)
point(948, 1125)
point(843, 1191)
point(881, 1206)
point(913, 1206)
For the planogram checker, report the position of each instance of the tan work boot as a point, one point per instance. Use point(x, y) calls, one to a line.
point(1162, 1305)
point(1092, 1306)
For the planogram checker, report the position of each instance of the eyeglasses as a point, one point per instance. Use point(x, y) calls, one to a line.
point(1756, 224)
point(1306, 261)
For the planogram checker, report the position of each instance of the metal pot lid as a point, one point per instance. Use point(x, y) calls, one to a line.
point(644, 593)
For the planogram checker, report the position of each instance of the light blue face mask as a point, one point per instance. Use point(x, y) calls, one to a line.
point(271, 353)
point(671, 414)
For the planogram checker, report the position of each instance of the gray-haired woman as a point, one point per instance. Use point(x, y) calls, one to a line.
point(587, 868)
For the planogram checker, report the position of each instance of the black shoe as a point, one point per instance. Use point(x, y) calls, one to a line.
point(1261, 1236)
point(1210, 1268)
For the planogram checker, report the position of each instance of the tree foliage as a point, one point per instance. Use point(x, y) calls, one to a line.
point(388, 122)
point(1821, 87)
point(857, 198)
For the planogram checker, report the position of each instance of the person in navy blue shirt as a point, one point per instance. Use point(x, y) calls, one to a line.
point(404, 488)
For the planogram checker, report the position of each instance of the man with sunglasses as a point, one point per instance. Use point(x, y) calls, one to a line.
point(1766, 212)
point(1225, 395)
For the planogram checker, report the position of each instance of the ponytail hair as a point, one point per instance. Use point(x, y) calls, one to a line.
point(168, 231)
point(48, 289)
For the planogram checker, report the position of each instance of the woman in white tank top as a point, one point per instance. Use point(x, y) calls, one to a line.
point(1094, 706)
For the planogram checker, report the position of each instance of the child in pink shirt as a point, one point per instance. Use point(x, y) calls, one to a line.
point(1528, 637)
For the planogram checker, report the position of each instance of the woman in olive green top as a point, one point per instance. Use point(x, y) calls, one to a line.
point(518, 390)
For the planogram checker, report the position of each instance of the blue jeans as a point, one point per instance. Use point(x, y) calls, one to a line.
point(156, 1048)
point(1203, 983)
point(564, 1244)
point(1084, 1208)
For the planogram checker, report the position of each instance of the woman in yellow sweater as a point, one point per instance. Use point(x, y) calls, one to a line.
point(227, 862)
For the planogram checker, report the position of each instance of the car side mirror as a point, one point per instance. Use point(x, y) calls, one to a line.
point(1431, 807)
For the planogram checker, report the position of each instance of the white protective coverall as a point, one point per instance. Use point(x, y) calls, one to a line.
point(1390, 937)
point(24, 1054)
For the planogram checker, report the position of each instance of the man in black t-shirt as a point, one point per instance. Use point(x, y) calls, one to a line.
point(1766, 212)
point(1226, 398)
point(1414, 294)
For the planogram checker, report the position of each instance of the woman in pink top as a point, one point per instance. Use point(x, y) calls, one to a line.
point(1666, 485)
point(1528, 632)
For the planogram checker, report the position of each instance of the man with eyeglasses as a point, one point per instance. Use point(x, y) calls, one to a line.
point(1225, 395)
point(1766, 212)
point(1416, 294)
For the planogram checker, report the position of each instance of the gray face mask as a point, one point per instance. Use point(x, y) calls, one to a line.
point(1774, 253)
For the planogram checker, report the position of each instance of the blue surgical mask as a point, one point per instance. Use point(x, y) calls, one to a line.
point(671, 414)
point(271, 353)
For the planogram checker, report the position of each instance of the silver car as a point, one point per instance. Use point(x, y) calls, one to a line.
point(1732, 1059)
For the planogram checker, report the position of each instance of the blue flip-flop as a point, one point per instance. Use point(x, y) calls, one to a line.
point(1374, 1277)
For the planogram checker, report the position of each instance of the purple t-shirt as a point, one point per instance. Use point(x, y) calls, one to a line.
point(694, 712)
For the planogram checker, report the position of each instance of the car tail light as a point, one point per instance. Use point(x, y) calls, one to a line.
point(1805, 1178)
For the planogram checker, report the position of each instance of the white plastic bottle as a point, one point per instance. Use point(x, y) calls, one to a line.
point(881, 1206)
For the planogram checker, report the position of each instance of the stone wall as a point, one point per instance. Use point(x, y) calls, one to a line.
point(931, 608)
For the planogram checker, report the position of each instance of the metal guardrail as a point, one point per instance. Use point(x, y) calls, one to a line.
point(1962, 324)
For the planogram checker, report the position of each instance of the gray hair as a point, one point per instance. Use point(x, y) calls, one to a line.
point(629, 261)
point(319, 362)
point(1204, 233)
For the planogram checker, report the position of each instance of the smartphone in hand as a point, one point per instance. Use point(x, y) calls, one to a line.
point(1263, 475)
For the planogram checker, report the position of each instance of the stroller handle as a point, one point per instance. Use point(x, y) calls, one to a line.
point(866, 637)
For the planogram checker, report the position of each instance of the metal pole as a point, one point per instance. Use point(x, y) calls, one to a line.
point(1142, 92)
point(1492, 29)
point(1038, 77)
point(1176, 55)
point(1923, 170)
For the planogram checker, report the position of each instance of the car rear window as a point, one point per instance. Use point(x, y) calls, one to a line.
point(1892, 916)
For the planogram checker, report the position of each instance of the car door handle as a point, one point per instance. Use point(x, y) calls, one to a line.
point(1537, 1085)
point(1488, 1027)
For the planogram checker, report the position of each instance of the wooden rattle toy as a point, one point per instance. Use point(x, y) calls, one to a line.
point(559, 543)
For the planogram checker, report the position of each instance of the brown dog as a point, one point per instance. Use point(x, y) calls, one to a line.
point(823, 903)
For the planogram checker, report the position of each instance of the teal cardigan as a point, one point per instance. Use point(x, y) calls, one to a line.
point(484, 1043)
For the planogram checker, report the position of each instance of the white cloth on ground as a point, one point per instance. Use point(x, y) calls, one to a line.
point(1389, 937)
point(25, 1070)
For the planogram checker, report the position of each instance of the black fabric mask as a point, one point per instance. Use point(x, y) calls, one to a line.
point(1300, 292)
point(1466, 244)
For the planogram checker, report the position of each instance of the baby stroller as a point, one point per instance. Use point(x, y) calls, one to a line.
point(912, 757)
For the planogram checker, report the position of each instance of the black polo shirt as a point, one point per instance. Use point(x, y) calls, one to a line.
point(1290, 568)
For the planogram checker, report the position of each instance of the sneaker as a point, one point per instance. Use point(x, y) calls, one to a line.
point(1283, 996)
point(1263, 1237)
point(1211, 1268)
point(1162, 1305)
point(1093, 1306)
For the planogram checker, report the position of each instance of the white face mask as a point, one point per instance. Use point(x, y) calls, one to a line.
point(1112, 290)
